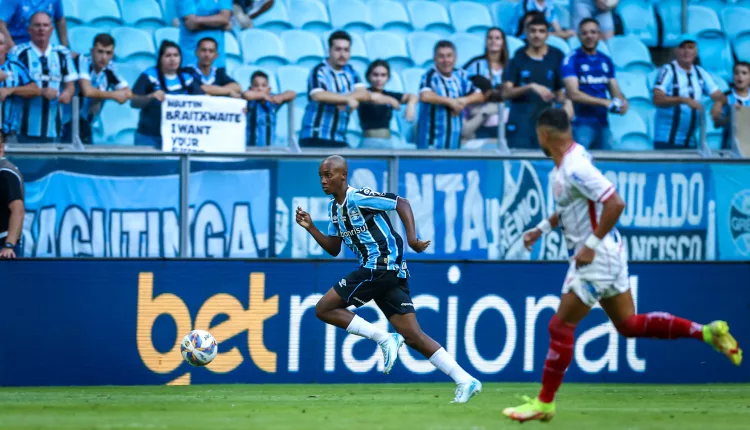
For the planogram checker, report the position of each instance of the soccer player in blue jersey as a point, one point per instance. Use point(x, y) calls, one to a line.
point(588, 75)
point(359, 218)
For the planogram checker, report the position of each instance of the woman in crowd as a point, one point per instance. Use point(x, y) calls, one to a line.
point(152, 87)
point(375, 115)
point(738, 97)
point(482, 120)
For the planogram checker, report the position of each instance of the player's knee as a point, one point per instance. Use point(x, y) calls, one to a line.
point(629, 327)
point(321, 310)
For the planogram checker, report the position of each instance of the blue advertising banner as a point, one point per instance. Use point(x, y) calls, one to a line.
point(95, 322)
point(732, 184)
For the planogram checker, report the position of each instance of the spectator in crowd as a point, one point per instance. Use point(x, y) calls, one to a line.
point(99, 81)
point(597, 9)
point(533, 82)
point(214, 80)
point(262, 107)
point(738, 98)
point(15, 82)
point(545, 7)
point(494, 60)
point(375, 115)
point(245, 11)
point(588, 74)
point(481, 120)
point(677, 95)
point(15, 19)
point(443, 94)
point(200, 19)
point(334, 90)
point(52, 67)
point(12, 209)
point(152, 87)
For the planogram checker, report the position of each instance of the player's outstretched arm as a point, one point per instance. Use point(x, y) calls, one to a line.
point(403, 208)
point(331, 244)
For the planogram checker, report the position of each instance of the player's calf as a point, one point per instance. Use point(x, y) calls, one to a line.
point(660, 325)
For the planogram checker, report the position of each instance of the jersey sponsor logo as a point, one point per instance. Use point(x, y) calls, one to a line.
point(585, 67)
point(408, 304)
point(662, 75)
point(354, 214)
point(342, 283)
point(593, 80)
point(739, 221)
point(354, 231)
point(359, 300)
point(369, 192)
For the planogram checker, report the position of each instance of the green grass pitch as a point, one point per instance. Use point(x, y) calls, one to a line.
point(370, 406)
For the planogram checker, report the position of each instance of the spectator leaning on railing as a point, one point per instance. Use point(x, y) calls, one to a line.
point(214, 80)
point(200, 19)
point(15, 18)
point(15, 83)
point(588, 74)
point(737, 98)
point(262, 107)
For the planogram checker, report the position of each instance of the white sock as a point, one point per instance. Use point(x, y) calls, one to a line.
point(363, 328)
point(443, 361)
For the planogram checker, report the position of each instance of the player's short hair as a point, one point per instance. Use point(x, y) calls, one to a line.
point(258, 74)
point(339, 35)
point(444, 44)
point(538, 19)
point(554, 118)
point(588, 20)
point(104, 40)
point(208, 39)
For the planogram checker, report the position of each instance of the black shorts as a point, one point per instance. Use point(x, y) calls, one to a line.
point(390, 292)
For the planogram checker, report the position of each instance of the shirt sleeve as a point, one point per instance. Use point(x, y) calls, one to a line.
point(332, 230)
point(366, 198)
point(83, 67)
point(22, 73)
point(13, 185)
point(185, 8)
point(143, 86)
point(664, 80)
point(223, 78)
point(591, 182)
point(316, 82)
point(226, 5)
point(611, 68)
point(358, 83)
point(8, 9)
point(709, 85)
point(511, 72)
point(568, 69)
point(426, 83)
point(117, 80)
point(397, 96)
point(69, 71)
point(468, 85)
point(58, 10)
point(194, 87)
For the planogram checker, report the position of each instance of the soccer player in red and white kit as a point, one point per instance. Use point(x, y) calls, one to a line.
point(588, 208)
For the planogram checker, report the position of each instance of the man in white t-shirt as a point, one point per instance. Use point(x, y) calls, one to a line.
point(588, 208)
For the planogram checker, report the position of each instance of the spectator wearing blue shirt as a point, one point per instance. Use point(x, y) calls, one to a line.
point(52, 68)
point(679, 88)
point(15, 82)
point(200, 19)
point(443, 94)
point(588, 75)
point(262, 107)
point(737, 98)
point(597, 9)
point(15, 19)
point(152, 87)
point(524, 7)
point(334, 90)
point(214, 80)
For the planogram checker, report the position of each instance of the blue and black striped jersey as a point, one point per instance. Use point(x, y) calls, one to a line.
point(16, 75)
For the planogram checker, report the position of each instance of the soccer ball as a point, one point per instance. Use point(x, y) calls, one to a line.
point(199, 348)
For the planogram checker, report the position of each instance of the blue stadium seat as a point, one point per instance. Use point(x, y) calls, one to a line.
point(390, 47)
point(651, 79)
point(559, 43)
point(715, 53)
point(514, 44)
point(736, 22)
point(421, 46)
point(670, 14)
point(243, 74)
point(714, 135)
point(503, 13)
point(275, 19)
point(144, 14)
point(630, 54)
point(468, 46)
point(232, 51)
point(106, 14)
point(166, 33)
point(72, 19)
point(81, 39)
point(639, 20)
point(353, 131)
point(602, 46)
point(302, 47)
point(293, 78)
point(262, 48)
point(116, 121)
point(310, 15)
point(633, 85)
point(360, 58)
point(128, 72)
point(412, 78)
point(563, 15)
point(394, 84)
point(430, 16)
point(720, 82)
point(646, 110)
point(630, 132)
point(134, 46)
point(702, 19)
point(350, 15)
point(391, 16)
point(742, 49)
point(470, 17)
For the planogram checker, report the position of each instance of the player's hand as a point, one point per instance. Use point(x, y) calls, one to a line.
point(159, 95)
point(49, 93)
point(7, 253)
point(530, 237)
point(584, 257)
point(303, 218)
point(418, 245)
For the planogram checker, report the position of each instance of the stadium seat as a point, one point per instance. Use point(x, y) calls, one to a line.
point(81, 39)
point(394, 84)
point(302, 47)
point(293, 78)
point(353, 131)
point(670, 14)
point(262, 48)
point(714, 135)
point(412, 78)
point(563, 15)
point(470, 17)
point(430, 16)
point(144, 14)
point(106, 14)
point(72, 19)
point(742, 49)
point(559, 43)
point(390, 47)
point(630, 132)
point(646, 110)
point(702, 19)
point(514, 44)
point(128, 72)
point(503, 13)
point(639, 20)
point(715, 53)
point(310, 15)
point(232, 51)
point(243, 74)
point(360, 57)
point(468, 46)
point(350, 15)
point(736, 22)
point(651, 78)
point(630, 54)
point(391, 16)
point(166, 33)
point(275, 19)
point(633, 85)
point(134, 46)
point(421, 46)
point(602, 46)
point(116, 119)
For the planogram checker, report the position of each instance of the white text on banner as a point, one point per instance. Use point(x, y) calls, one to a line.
point(203, 124)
